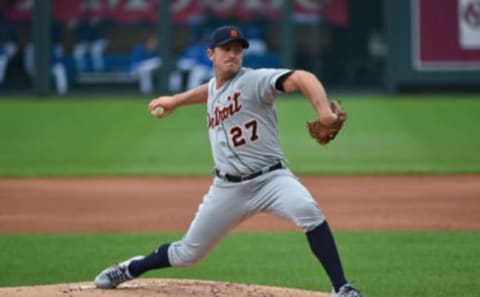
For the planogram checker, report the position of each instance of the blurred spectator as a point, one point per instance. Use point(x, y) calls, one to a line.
point(86, 19)
point(8, 49)
point(257, 40)
point(193, 65)
point(58, 68)
point(8, 41)
point(145, 61)
point(89, 42)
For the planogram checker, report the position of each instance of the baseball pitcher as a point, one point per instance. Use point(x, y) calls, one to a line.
point(251, 175)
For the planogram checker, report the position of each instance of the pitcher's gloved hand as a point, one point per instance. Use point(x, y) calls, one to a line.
point(324, 133)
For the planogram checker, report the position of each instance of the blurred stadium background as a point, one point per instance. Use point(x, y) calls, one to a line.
point(63, 47)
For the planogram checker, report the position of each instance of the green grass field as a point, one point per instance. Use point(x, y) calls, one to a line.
point(118, 137)
point(441, 264)
point(383, 135)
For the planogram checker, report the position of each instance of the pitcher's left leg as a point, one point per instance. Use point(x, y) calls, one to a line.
point(293, 201)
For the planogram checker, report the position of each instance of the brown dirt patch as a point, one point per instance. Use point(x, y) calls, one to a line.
point(160, 288)
point(169, 204)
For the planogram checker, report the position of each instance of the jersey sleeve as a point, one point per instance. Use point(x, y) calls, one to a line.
point(264, 81)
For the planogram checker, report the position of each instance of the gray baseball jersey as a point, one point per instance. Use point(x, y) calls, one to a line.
point(242, 122)
point(243, 133)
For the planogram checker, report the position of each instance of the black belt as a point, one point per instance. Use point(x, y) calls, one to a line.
point(237, 178)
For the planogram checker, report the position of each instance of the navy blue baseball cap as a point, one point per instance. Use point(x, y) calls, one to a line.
point(225, 34)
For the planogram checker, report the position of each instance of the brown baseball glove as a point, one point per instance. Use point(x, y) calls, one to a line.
point(322, 133)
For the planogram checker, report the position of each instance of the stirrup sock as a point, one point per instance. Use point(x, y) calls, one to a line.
point(323, 246)
point(157, 259)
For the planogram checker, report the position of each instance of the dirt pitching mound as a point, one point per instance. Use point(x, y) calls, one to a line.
point(159, 288)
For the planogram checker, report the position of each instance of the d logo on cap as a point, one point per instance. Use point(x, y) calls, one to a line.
point(225, 34)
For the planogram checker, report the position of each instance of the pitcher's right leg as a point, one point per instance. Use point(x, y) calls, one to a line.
point(221, 210)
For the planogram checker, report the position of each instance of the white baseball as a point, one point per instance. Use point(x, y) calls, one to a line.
point(157, 112)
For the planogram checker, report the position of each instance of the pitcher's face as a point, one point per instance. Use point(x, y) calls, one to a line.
point(227, 58)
